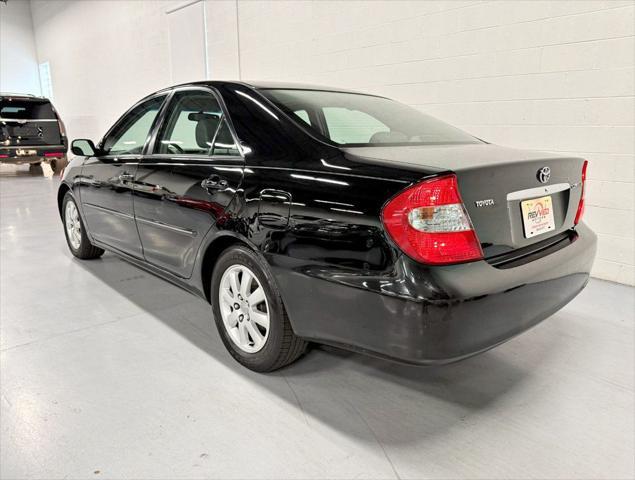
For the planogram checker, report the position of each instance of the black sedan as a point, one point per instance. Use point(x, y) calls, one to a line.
point(305, 214)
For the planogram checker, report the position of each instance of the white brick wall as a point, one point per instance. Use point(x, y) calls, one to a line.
point(552, 75)
point(548, 75)
point(104, 56)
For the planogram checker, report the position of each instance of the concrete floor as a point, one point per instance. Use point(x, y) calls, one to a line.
point(109, 372)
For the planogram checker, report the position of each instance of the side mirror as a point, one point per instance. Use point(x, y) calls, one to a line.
point(83, 147)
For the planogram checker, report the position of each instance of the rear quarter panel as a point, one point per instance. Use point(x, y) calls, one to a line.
point(332, 219)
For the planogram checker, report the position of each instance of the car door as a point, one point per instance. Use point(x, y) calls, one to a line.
point(107, 179)
point(187, 181)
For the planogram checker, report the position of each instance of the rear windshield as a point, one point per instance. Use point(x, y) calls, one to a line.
point(352, 119)
point(26, 109)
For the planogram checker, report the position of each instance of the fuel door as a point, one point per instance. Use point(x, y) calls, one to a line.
point(274, 208)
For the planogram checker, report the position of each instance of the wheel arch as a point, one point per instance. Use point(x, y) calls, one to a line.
point(61, 192)
point(210, 257)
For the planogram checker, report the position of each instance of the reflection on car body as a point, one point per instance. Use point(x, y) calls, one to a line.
point(310, 214)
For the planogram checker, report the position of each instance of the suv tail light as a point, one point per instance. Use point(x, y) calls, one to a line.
point(62, 126)
point(580, 212)
point(428, 222)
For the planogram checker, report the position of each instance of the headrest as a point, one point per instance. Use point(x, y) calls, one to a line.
point(389, 137)
point(206, 124)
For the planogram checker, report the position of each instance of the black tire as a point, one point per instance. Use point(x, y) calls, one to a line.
point(282, 346)
point(58, 164)
point(85, 250)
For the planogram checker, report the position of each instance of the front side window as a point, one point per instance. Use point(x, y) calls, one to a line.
point(352, 119)
point(191, 125)
point(130, 134)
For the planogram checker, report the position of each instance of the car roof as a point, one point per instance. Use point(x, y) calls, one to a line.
point(264, 85)
point(296, 86)
point(24, 96)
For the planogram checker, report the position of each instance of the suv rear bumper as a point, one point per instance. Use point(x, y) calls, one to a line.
point(428, 315)
point(31, 154)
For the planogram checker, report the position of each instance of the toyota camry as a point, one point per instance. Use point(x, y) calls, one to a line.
point(310, 214)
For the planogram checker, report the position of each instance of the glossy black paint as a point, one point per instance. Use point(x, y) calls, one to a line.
point(106, 194)
point(312, 211)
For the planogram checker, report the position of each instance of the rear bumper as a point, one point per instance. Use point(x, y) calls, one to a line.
point(31, 154)
point(432, 315)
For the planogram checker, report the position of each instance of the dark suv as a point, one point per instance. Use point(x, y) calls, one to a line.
point(31, 131)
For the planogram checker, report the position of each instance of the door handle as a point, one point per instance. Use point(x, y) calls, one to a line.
point(126, 177)
point(214, 182)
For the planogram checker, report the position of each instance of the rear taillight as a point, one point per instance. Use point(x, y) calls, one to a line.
point(428, 222)
point(62, 126)
point(580, 212)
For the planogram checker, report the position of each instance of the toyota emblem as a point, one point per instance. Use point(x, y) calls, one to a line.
point(544, 174)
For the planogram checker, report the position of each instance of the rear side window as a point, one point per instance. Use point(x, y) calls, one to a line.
point(16, 109)
point(191, 124)
point(304, 116)
point(131, 133)
point(224, 142)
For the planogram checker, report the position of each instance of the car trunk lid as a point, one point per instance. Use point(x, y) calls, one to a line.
point(494, 182)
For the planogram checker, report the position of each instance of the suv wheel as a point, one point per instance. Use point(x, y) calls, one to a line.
point(57, 165)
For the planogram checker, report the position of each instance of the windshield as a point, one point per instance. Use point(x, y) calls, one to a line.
point(352, 119)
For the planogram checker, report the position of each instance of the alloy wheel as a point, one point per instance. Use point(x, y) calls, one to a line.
point(73, 225)
point(244, 308)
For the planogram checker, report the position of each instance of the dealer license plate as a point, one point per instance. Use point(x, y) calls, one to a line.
point(537, 216)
